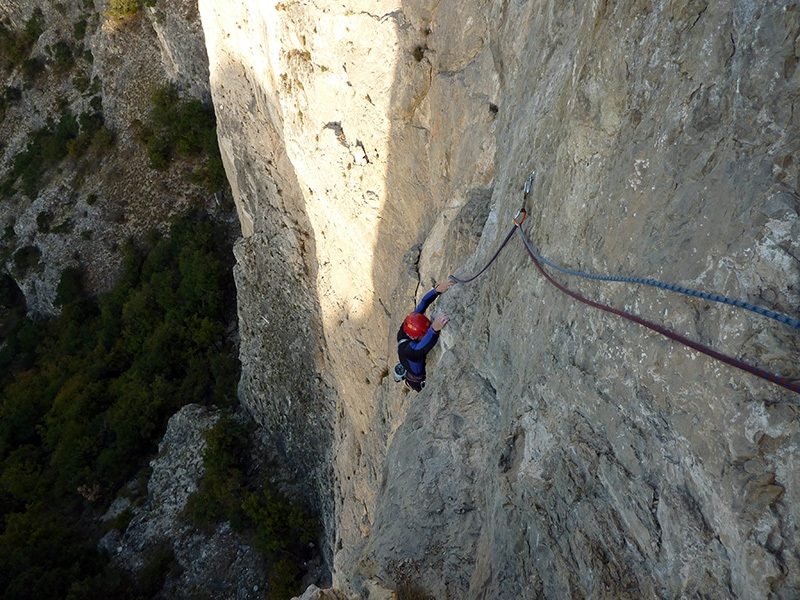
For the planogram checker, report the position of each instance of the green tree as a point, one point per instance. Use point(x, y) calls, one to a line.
point(84, 399)
point(279, 523)
point(185, 128)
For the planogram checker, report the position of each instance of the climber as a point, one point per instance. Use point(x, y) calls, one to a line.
point(417, 336)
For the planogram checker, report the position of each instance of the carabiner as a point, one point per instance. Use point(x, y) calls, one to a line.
point(527, 186)
point(522, 213)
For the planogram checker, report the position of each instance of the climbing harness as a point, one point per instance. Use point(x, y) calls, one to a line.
point(539, 260)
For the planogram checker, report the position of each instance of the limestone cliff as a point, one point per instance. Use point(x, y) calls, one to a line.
point(214, 563)
point(557, 451)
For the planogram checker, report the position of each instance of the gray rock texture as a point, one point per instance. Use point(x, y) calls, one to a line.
point(216, 564)
point(558, 451)
point(315, 593)
point(183, 50)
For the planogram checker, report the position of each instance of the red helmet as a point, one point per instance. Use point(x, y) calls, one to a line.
point(416, 325)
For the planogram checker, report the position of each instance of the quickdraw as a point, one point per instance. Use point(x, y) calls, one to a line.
point(539, 261)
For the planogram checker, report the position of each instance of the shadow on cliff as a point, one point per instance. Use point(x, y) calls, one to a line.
point(438, 203)
point(612, 196)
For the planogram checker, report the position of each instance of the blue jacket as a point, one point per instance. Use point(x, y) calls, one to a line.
point(412, 352)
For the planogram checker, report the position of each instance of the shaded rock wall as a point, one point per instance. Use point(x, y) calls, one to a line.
point(328, 162)
point(557, 451)
point(622, 465)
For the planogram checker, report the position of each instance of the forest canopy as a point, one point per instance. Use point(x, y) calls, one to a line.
point(85, 398)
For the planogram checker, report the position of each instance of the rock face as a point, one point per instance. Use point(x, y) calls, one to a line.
point(216, 563)
point(558, 451)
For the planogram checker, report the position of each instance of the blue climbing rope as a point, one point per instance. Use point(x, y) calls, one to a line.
point(784, 382)
point(781, 318)
point(785, 319)
point(539, 260)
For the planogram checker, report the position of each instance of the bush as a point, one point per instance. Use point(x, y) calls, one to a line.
point(122, 520)
point(102, 141)
point(62, 53)
point(90, 125)
point(279, 523)
point(285, 580)
point(212, 175)
point(158, 152)
point(186, 129)
point(64, 227)
point(161, 563)
point(53, 143)
point(26, 259)
point(70, 287)
point(113, 582)
point(11, 96)
point(221, 491)
point(32, 68)
point(11, 296)
point(43, 221)
point(46, 148)
point(15, 47)
point(55, 547)
point(123, 10)
point(79, 30)
point(81, 82)
point(188, 132)
point(50, 145)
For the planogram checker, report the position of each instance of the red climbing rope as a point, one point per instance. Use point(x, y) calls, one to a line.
point(758, 372)
point(776, 379)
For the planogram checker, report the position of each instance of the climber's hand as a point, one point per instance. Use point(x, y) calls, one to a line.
point(445, 285)
point(440, 321)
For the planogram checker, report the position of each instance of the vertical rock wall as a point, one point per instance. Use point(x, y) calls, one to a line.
point(557, 451)
point(340, 177)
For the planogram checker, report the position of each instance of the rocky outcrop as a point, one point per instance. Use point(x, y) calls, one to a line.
point(217, 563)
point(86, 208)
point(557, 451)
point(182, 44)
point(315, 593)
